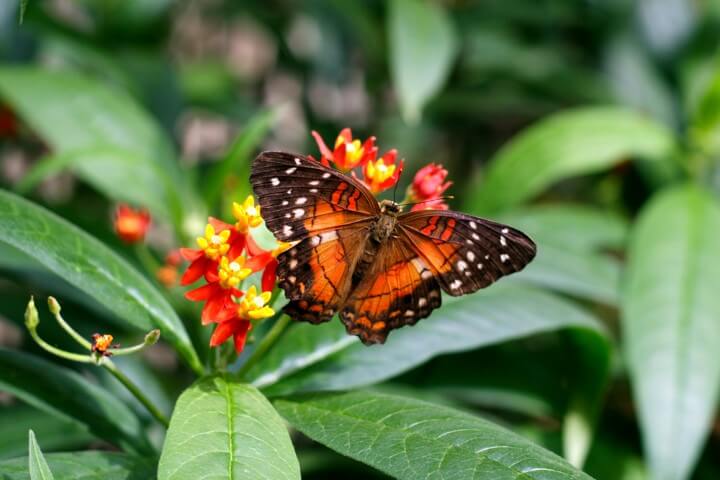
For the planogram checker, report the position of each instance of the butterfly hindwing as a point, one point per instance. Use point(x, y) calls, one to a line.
point(466, 253)
point(398, 290)
point(327, 215)
point(315, 273)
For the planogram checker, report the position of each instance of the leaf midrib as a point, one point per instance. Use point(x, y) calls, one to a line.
point(231, 428)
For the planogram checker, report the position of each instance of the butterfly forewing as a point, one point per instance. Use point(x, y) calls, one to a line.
point(466, 253)
point(327, 215)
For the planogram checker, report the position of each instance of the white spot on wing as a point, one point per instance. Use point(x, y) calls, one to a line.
point(470, 256)
point(314, 182)
point(301, 201)
point(298, 212)
point(285, 202)
point(455, 284)
point(287, 230)
point(504, 257)
point(291, 170)
point(422, 301)
point(326, 175)
point(473, 225)
point(480, 266)
point(409, 313)
point(475, 236)
point(293, 264)
point(275, 181)
point(462, 266)
point(505, 231)
point(315, 240)
point(503, 242)
point(297, 161)
point(313, 190)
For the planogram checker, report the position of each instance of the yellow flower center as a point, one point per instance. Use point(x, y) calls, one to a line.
point(247, 215)
point(379, 172)
point(214, 244)
point(232, 273)
point(254, 306)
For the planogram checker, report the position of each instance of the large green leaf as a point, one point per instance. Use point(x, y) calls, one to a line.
point(37, 465)
point(80, 116)
point(671, 325)
point(411, 439)
point(567, 144)
point(66, 394)
point(569, 240)
point(324, 357)
point(423, 45)
point(84, 466)
point(93, 268)
point(226, 430)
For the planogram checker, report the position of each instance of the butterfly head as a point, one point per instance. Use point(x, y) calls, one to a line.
point(389, 207)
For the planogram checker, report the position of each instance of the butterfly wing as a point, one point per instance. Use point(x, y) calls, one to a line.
point(466, 253)
point(399, 289)
point(327, 215)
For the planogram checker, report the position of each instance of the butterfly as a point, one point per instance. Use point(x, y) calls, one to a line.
point(376, 267)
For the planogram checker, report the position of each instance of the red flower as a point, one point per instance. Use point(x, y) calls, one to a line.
point(218, 295)
point(131, 225)
point(204, 260)
point(348, 152)
point(428, 182)
point(252, 306)
point(382, 173)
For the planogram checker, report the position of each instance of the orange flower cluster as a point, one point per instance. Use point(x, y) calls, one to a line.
point(131, 225)
point(226, 255)
point(378, 173)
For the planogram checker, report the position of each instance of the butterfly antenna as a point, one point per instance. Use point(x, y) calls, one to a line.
point(396, 184)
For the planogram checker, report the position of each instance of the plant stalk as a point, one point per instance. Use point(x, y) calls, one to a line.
point(135, 390)
point(265, 344)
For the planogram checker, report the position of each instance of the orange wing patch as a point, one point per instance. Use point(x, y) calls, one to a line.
point(398, 291)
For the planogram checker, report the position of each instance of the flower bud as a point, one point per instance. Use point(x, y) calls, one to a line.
point(32, 320)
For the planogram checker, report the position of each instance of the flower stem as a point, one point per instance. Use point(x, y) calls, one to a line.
point(54, 308)
point(74, 357)
point(147, 260)
point(265, 344)
point(137, 393)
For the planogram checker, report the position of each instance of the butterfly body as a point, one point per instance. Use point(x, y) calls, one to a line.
point(375, 266)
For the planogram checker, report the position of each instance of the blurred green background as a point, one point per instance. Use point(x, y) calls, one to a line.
point(564, 119)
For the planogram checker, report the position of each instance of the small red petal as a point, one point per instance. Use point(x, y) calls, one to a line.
point(194, 271)
point(222, 332)
point(346, 135)
point(258, 262)
point(214, 306)
point(269, 277)
point(201, 293)
point(190, 254)
point(219, 225)
point(237, 245)
point(324, 150)
point(340, 156)
point(240, 335)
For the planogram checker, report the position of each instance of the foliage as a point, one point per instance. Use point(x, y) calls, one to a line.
point(593, 127)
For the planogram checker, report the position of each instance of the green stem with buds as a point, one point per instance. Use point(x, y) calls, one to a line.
point(265, 344)
point(32, 321)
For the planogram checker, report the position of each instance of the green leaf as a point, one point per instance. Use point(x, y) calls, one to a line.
point(567, 144)
point(57, 433)
point(670, 312)
point(324, 357)
point(84, 466)
point(226, 430)
point(67, 395)
point(78, 115)
point(117, 173)
point(410, 439)
point(237, 160)
point(423, 45)
point(580, 227)
point(37, 465)
point(93, 268)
